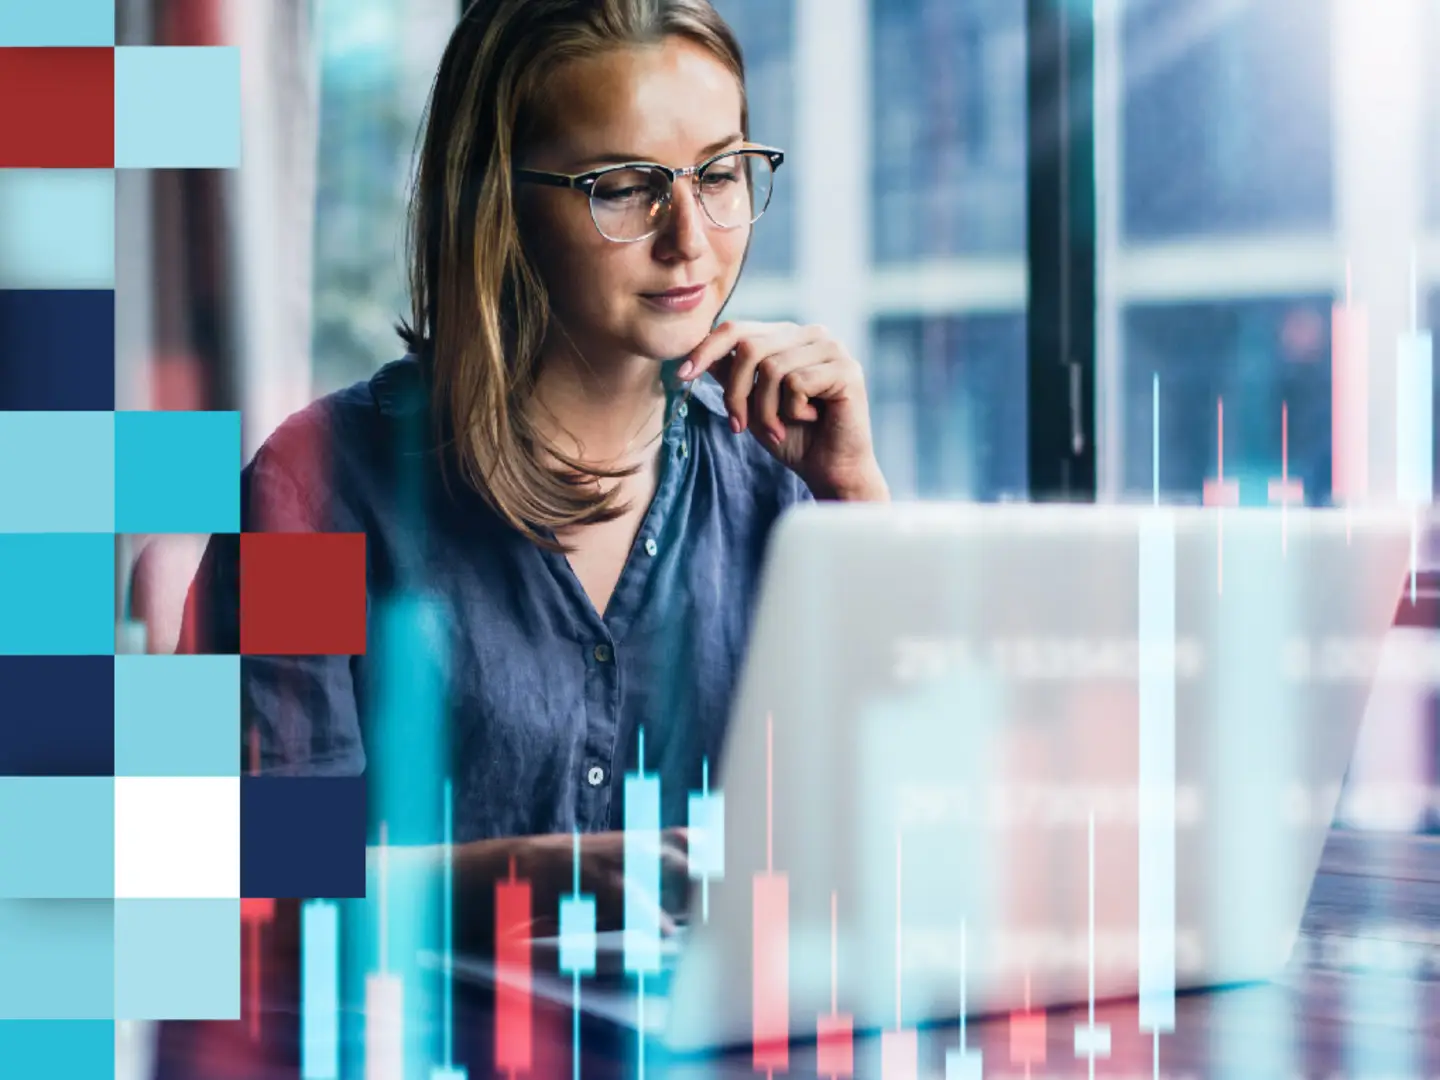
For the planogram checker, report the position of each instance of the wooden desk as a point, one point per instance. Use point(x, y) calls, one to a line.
point(1361, 998)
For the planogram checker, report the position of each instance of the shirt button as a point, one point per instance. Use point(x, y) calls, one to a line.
point(596, 776)
point(684, 410)
point(651, 547)
point(602, 653)
point(684, 450)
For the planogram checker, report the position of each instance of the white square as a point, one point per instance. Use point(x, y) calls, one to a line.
point(177, 837)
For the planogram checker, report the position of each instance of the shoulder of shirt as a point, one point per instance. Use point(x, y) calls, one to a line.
point(354, 415)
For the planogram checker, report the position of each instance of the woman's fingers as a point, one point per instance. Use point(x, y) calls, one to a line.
point(778, 381)
point(739, 373)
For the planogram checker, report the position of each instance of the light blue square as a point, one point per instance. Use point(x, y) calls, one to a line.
point(177, 107)
point(177, 959)
point(58, 1049)
point(57, 837)
point(177, 472)
point(59, 960)
point(57, 594)
point(57, 23)
point(67, 481)
point(57, 228)
point(177, 716)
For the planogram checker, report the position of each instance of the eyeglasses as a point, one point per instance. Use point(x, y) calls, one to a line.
point(630, 202)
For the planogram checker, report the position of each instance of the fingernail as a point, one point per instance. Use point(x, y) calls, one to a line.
point(686, 370)
point(735, 424)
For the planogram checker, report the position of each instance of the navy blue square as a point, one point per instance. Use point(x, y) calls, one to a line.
point(59, 350)
point(302, 836)
point(59, 715)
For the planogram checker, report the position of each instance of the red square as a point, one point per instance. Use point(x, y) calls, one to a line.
point(302, 594)
point(59, 110)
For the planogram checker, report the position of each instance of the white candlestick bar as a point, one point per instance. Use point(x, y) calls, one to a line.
point(384, 1027)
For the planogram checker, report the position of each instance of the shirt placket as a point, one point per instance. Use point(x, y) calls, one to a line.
point(604, 655)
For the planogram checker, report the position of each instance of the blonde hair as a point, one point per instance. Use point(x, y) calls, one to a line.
point(478, 309)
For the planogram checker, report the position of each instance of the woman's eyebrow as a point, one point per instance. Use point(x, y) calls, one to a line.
point(612, 157)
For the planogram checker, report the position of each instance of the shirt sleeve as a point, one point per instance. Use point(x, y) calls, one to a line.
point(299, 715)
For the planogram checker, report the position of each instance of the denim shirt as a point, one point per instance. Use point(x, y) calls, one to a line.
point(534, 702)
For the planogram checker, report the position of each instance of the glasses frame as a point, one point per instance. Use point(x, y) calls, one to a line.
point(585, 182)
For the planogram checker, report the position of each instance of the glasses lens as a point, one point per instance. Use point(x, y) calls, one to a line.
point(736, 188)
point(627, 203)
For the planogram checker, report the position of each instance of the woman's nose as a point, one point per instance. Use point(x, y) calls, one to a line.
point(686, 221)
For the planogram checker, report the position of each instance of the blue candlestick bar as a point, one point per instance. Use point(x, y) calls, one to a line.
point(706, 837)
point(320, 991)
point(642, 868)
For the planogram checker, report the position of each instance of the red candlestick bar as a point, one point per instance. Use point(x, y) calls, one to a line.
point(513, 1036)
point(834, 1033)
point(255, 912)
point(1219, 491)
point(1027, 1034)
point(1350, 399)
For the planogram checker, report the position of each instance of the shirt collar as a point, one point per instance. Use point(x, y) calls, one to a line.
point(705, 389)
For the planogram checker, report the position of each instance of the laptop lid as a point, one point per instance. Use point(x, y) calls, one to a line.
point(966, 735)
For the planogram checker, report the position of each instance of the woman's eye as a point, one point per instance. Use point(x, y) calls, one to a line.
point(623, 193)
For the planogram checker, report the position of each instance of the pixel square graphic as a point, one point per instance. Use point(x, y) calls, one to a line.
point(128, 835)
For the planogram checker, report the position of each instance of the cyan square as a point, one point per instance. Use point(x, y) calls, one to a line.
point(67, 24)
point(57, 837)
point(177, 959)
point(177, 716)
point(57, 228)
point(59, 1049)
point(177, 472)
point(67, 480)
point(177, 107)
point(57, 594)
point(59, 960)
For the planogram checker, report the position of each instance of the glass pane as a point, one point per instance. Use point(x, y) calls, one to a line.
point(949, 405)
point(948, 386)
point(377, 59)
point(1227, 120)
point(1254, 356)
point(766, 29)
point(1432, 114)
point(949, 128)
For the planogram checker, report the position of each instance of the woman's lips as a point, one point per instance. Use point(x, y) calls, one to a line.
point(676, 299)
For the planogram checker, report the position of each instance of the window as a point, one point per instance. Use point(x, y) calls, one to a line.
point(948, 344)
point(377, 58)
point(766, 29)
point(949, 405)
point(1236, 205)
point(949, 123)
point(1432, 117)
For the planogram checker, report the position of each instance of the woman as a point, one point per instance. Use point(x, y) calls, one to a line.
point(602, 464)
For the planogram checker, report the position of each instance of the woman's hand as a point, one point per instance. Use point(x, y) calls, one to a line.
point(802, 395)
point(547, 862)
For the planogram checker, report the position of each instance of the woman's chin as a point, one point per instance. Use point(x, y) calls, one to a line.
point(673, 342)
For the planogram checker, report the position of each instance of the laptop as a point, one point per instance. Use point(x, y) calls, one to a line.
point(993, 758)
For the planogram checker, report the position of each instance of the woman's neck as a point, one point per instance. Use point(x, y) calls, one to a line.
point(600, 412)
